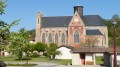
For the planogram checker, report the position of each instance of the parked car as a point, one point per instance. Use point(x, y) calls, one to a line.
point(2, 64)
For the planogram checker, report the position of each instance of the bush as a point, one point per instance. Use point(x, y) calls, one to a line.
point(52, 51)
point(35, 54)
point(41, 47)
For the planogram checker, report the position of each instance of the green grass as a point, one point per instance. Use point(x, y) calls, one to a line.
point(63, 62)
point(38, 59)
point(99, 60)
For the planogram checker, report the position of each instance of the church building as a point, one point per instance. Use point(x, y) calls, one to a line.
point(77, 30)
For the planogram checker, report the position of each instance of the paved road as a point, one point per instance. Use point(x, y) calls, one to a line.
point(47, 64)
point(39, 64)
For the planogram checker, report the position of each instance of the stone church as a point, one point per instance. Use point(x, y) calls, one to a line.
point(77, 30)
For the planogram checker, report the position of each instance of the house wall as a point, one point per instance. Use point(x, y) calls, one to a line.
point(76, 60)
point(89, 59)
point(53, 31)
point(65, 53)
point(76, 26)
point(103, 30)
point(68, 31)
point(107, 59)
point(94, 40)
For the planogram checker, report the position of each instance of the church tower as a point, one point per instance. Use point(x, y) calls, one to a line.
point(38, 27)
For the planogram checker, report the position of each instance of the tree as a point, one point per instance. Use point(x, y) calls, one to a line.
point(2, 6)
point(90, 41)
point(31, 32)
point(40, 47)
point(52, 51)
point(110, 29)
point(4, 27)
point(18, 42)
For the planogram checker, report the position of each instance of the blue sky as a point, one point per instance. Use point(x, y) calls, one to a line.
point(26, 10)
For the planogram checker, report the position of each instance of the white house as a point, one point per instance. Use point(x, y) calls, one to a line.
point(65, 52)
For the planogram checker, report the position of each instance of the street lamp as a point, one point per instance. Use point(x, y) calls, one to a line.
point(114, 23)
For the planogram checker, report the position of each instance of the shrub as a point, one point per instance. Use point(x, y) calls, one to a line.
point(35, 54)
point(41, 47)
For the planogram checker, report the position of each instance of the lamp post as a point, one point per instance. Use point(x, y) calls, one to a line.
point(114, 23)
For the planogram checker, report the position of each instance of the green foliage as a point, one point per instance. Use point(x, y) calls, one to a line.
point(110, 29)
point(35, 54)
point(2, 6)
point(52, 52)
point(99, 60)
point(31, 47)
point(18, 42)
point(31, 32)
point(40, 47)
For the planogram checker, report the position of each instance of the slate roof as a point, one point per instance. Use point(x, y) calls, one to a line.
point(93, 20)
point(93, 32)
point(63, 21)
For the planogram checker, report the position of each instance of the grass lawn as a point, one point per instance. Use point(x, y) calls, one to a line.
point(38, 59)
point(99, 60)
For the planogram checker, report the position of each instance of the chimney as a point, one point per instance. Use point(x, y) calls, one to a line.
point(79, 9)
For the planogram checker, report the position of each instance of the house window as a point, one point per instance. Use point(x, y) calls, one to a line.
point(63, 39)
point(50, 38)
point(38, 20)
point(56, 38)
point(43, 38)
point(76, 37)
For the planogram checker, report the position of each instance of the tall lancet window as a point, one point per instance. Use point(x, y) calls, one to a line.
point(63, 39)
point(76, 37)
point(56, 38)
point(43, 38)
point(50, 38)
point(38, 20)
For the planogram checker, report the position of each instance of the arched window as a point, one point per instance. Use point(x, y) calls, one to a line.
point(76, 37)
point(38, 20)
point(63, 39)
point(56, 38)
point(43, 38)
point(50, 38)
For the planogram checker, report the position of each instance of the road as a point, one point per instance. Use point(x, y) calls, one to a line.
point(39, 64)
point(47, 64)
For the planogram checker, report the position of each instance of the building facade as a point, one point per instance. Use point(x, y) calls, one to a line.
point(77, 30)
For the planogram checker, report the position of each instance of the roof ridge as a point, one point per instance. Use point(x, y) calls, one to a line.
point(92, 15)
point(58, 16)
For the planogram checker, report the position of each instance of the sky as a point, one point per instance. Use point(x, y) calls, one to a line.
point(26, 10)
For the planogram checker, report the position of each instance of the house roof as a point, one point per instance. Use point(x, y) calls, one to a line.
point(70, 47)
point(63, 21)
point(93, 32)
point(95, 50)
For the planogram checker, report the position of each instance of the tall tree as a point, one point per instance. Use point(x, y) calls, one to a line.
point(2, 6)
point(4, 27)
point(19, 42)
point(110, 29)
